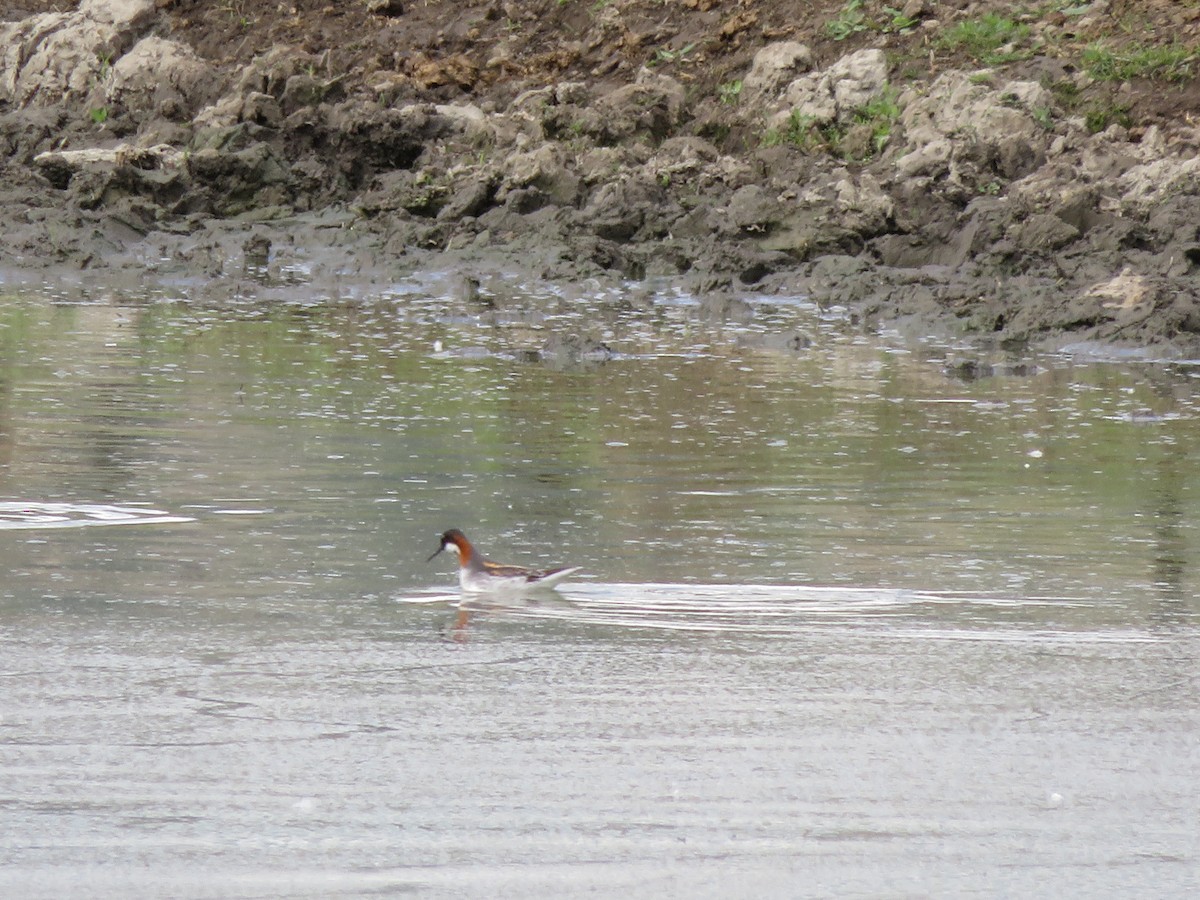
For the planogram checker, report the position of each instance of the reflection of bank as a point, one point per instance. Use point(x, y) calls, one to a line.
point(1174, 606)
point(13, 343)
point(75, 394)
point(6, 424)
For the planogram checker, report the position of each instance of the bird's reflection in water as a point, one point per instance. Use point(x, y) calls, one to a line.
point(514, 603)
point(457, 630)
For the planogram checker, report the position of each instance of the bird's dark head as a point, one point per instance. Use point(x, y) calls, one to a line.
point(456, 541)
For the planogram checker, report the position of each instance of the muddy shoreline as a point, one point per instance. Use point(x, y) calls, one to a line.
point(732, 155)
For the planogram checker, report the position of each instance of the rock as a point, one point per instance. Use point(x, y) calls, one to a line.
point(1123, 291)
point(976, 369)
point(1144, 187)
point(241, 181)
point(218, 116)
point(751, 209)
point(256, 252)
point(1058, 189)
point(683, 158)
point(832, 269)
point(775, 66)
point(542, 169)
point(802, 233)
point(57, 57)
point(456, 70)
point(465, 289)
point(60, 166)
point(931, 158)
point(602, 164)
point(836, 93)
point(653, 106)
point(1004, 136)
point(466, 119)
point(269, 73)
point(781, 342)
point(385, 7)
point(53, 57)
point(164, 78)
point(565, 351)
point(135, 185)
point(1042, 232)
point(469, 200)
point(414, 192)
point(120, 13)
point(619, 210)
point(261, 109)
point(382, 139)
point(863, 205)
point(724, 308)
point(303, 90)
point(550, 109)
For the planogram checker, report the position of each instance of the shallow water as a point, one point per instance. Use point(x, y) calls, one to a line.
point(847, 624)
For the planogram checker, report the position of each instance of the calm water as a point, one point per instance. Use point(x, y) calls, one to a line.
point(848, 624)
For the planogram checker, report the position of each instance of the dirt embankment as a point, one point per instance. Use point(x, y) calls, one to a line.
point(1025, 173)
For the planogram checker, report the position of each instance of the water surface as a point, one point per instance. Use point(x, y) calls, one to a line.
point(850, 622)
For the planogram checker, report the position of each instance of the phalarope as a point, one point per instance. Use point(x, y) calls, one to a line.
point(478, 574)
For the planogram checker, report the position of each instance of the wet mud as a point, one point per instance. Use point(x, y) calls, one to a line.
point(875, 160)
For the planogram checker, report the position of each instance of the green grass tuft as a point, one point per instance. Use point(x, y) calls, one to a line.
point(985, 39)
point(1173, 63)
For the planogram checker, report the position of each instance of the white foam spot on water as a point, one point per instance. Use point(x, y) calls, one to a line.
point(18, 515)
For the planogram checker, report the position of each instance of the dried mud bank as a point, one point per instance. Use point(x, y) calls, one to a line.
point(969, 203)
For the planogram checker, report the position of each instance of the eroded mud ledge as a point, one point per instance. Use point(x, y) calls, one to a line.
point(970, 200)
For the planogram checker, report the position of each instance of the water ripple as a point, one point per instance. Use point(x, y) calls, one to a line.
point(791, 609)
point(24, 515)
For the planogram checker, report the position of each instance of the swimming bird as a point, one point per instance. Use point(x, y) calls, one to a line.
point(478, 574)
